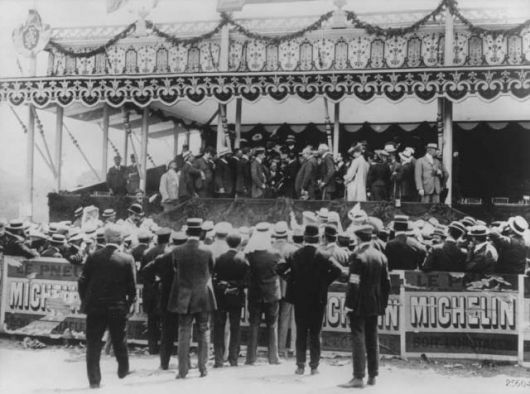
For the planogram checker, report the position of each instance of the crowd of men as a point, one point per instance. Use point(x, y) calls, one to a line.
point(283, 171)
point(206, 272)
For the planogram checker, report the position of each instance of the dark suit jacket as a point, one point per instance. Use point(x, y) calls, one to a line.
point(191, 290)
point(311, 272)
point(230, 279)
point(264, 282)
point(204, 187)
point(117, 180)
point(405, 179)
point(445, 257)
point(404, 253)
point(161, 266)
point(327, 173)
point(107, 281)
point(307, 177)
point(379, 177)
point(223, 176)
point(368, 282)
point(243, 179)
point(188, 174)
point(483, 260)
point(512, 253)
point(150, 291)
point(138, 251)
point(259, 178)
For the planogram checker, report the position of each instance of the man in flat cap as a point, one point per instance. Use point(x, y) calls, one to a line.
point(430, 175)
point(366, 300)
point(107, 290)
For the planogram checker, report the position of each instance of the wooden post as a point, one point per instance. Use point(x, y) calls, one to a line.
point(220, 129)
point(239, 105)
point(105, 144)
point(30, 151)
point(447, 109)
point(143, 149)
point(175, 139)
point(58, 145)
point(125, 147)
point(336, 128)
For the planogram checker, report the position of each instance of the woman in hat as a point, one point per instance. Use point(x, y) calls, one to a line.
point(355, 178)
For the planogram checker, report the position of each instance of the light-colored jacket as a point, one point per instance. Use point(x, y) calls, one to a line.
point(169, 186)
point(427, 177)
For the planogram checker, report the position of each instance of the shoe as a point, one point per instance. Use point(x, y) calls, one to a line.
point(275, 362)
point(233, 364)
point(314, 371)
point(94, 386)
point(121, 375)
point(299, 371)
point(354, 383)
point(218, 365)
point(371, 380)
point(204, 374)
point(164, 367)
point(179, 376)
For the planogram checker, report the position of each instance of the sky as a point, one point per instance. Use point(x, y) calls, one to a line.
point(70, 13)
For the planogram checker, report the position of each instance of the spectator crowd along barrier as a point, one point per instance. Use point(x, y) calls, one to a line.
point(439, 314)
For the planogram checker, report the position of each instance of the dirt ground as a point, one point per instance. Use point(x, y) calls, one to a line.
point(61, 369)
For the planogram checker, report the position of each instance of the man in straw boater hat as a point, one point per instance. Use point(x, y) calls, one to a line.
point(509, 241)
point(11, 243)
point(482, 255)
point(448, 256)
point(192, 296)
point(310, 271)
point(366, 300)
point(430, 175)
point(404, 252)
point(107, 290)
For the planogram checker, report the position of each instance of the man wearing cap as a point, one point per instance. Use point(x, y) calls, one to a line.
point(243, 178)
point(258, 174)
point(311, 271)
point(219, 245)
point(192, 296)
point(56, 245)
point(290, 141)
point(448, 256)
point(329, 245)
point(109, 216)
point(263, 292)
point(404, 252)
point(107, 290)
point(482, 255)
point(326, 181)
point(150, 293)
point(286, 319)
point(136, 214)
point(306, 179)
point(511, 246)
point(430, 176)
point(117, 178)
point(366, 300)
point(223, 175)
point(229, 280)
point(188, 176)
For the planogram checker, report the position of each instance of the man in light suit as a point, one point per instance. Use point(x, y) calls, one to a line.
point(258, 174)
point(430, 176)
point(327, 172)
point(192, 295)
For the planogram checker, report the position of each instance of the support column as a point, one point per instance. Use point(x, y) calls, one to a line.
point(58, 145)
point(143, 149)
point(105, 143)
point(224, 48)
point(125, 147)
point(27, 210)
point(239, 105)
point(221, 142)
point(447, 150)
point(336, 128)
point(175, 140)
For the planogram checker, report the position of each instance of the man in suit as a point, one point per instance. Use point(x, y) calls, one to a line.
point(448, 256)
point(243, 179)
point(192, 296)
point(117, 178)
point(56, 246)
point(292, 166)
point(430, 176)
point(205, 164)
point(404, 252)
point(311, 272)
point(223, 175)
point(188, 176)
point(378, 177)
point(258, 174)
point(229, 281)
point(326, 180)
point(163, 268)
point(107, 290)
point(137, 252)
point(306, 179)
point(366, 300)
point(150, 294)
point(511, 245)
point(329, 245)
point(133, 176)
point(263, 292)
point(482, 255)
point(406, 176)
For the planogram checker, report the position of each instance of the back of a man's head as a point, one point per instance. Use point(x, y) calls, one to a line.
point(113, 234)
point(233, 240)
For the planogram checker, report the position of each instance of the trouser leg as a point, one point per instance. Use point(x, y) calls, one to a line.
point(95, 328)
point(358, 345)
point(283, 325)
point(314, 338)
point(235, 335)
point(185, 322)
point(167, 338)
point(372, 345)
point(254, 311)
point(202, 320)
point(219, 323)
point(118, 333)
point(271, 317)
point(301, 337)
point(153, 332)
